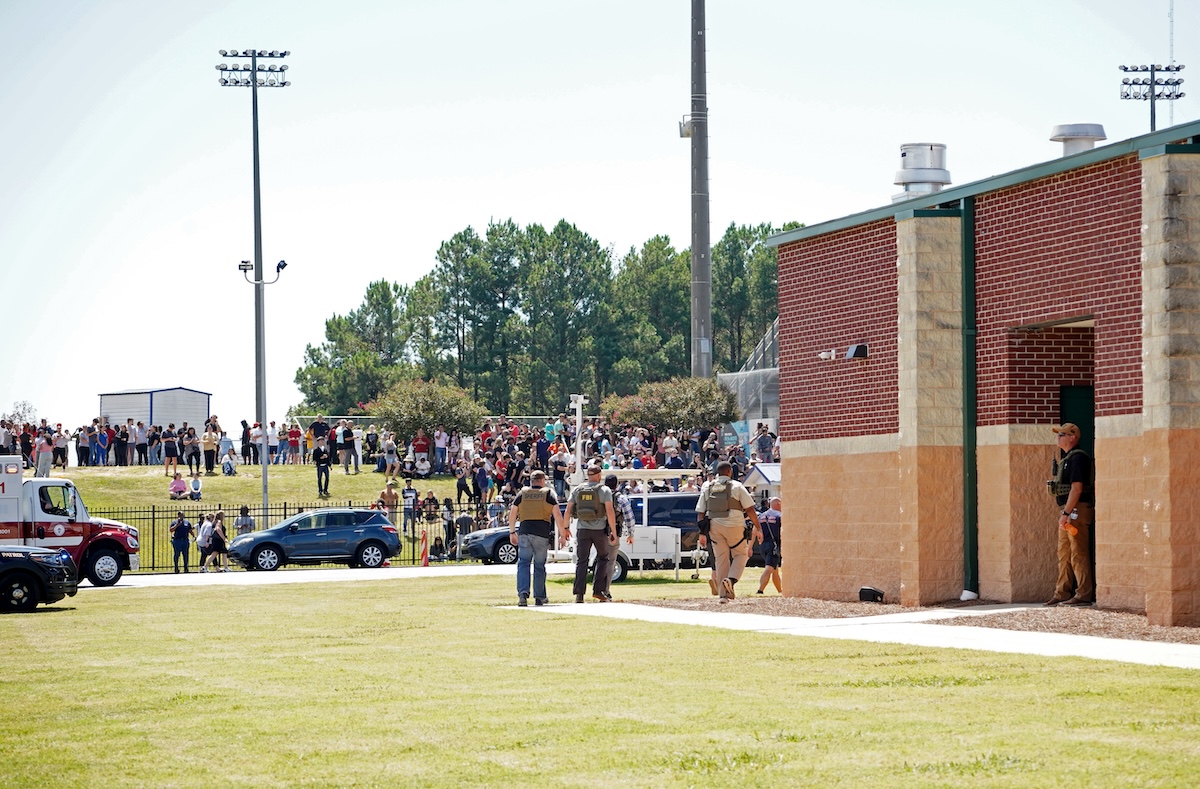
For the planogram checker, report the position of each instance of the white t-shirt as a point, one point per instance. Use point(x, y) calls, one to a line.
point(440, 439)
point(272, 436)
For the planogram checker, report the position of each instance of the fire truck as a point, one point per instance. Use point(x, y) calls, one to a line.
point(49, 513)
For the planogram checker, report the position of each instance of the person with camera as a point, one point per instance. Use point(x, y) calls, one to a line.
point(722, 512)
point(771, 520)
point(1073, 489)
point(181, 536)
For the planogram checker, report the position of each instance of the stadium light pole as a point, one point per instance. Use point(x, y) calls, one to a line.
point(1153, 88)
point(252, 75)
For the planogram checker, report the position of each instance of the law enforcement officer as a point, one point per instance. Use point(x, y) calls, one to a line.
point(623, 511)
point(722, 510)
point(1074, 492)
point(536, 508)
point(596, 527)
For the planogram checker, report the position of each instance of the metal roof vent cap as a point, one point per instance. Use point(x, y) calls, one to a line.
point(923, 170)
point(1077, 137)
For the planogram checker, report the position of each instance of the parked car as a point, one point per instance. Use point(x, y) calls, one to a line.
point(30, 575)
point(490, 546)
point(359, 537)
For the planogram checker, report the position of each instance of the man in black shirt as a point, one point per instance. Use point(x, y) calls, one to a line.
point(536, 508)
point(1075, 495)
point(320, 458)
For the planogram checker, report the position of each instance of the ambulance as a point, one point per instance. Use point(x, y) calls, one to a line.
point(49, 513)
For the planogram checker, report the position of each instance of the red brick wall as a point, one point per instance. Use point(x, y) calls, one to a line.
point(1038, 364)
point(1061, 247)
point(834, 291)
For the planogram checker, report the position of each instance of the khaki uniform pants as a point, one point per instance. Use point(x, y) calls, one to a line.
point(1075, 559)
point(730, 552)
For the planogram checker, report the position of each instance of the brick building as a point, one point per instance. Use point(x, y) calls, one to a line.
point(1066, 291)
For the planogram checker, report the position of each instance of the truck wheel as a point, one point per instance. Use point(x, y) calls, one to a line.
point(18, 594)
point(103, 568)
point(267, 558)
point(506, 552)
point(370, 554)
point(620, 570)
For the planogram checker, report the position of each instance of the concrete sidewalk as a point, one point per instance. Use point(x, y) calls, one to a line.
point(910, 628)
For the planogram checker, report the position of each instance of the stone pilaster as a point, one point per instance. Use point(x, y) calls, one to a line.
point(1171, 386)
point(929, 308)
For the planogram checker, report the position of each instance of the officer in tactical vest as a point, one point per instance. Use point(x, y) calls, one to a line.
point(536, 508)
point(722, 510)
point(623, 511)
point(596, 527)
point(1074, 491)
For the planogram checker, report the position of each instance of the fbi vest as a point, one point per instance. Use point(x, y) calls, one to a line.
point(535, 505)
point(589, 506)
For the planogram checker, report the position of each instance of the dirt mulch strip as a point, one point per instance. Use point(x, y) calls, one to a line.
point(1100, 622)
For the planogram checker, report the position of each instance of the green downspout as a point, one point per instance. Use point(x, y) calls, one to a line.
point(969, 415)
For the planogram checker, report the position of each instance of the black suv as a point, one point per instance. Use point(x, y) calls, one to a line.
point(29, 576)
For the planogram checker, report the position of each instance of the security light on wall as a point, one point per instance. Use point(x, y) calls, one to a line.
point(827, 356)
point(857, 352)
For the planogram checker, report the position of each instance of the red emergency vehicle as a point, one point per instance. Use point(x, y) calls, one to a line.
point(48, 512)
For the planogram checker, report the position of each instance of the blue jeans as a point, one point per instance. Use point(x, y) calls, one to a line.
point(439, 460)
point(532, 549)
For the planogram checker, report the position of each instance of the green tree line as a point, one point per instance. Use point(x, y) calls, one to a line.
point(521, 318)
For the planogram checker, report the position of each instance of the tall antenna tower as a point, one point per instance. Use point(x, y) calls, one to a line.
point(1171, 52)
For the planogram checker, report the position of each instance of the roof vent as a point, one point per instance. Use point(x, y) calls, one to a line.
point(923, 170)
point(1077, 137)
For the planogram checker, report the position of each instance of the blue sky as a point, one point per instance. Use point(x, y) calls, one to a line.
point(125, 188)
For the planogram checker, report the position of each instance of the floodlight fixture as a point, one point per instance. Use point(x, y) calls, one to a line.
point(1153, 88)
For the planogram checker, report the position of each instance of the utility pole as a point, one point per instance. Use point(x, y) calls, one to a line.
point(695, 126)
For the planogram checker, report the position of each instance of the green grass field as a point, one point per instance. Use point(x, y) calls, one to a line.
point(436, 682)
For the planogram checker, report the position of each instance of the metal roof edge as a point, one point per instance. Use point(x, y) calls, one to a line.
point(994, 182)
point(154, 391)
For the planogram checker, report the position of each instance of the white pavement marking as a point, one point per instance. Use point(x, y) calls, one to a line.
point(909, 628)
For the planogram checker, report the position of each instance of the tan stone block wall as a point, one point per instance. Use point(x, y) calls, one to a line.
point(1017, 523)
point(1171, 385)
point(1172, 528)
point(841, 526)
point(931, 538)
point(1120, 514)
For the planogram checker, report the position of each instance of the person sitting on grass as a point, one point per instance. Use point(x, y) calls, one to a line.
point(229, 463)
point(194, 487)
point(178, 488)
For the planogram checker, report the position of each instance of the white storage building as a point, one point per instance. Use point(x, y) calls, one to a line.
point(156, 406)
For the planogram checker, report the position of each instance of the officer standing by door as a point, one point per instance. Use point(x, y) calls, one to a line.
point(1074, 491)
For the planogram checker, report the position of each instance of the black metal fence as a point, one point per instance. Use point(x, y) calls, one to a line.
point(153, 525)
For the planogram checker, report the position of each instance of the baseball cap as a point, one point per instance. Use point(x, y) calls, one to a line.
point(1067, 427)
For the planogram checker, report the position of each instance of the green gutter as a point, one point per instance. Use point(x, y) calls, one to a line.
point(969, 413)
point(1024, 175)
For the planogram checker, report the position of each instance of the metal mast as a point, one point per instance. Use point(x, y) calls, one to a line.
point(697, 128)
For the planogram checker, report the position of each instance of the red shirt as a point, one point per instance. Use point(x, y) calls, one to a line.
point(420, 445)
